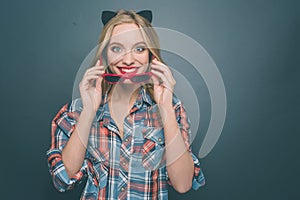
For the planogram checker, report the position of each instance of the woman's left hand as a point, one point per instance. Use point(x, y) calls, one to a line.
point(164, 83)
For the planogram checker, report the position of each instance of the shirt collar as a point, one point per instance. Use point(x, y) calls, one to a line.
point(144, 97)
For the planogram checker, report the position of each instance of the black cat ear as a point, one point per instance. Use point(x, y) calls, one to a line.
point(147, 14)
point(107, 15)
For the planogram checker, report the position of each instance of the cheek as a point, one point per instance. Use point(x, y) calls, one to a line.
point(110, 58)
point(113, 58)
point(143, 58)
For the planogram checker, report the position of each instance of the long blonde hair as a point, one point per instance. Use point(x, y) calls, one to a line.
point(147, 31)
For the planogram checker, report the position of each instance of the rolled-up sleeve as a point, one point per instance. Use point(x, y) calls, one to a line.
point(62, 127)
point(184, 125)
point(198, 179)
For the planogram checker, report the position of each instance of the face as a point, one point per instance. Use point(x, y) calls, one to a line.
point(127, 52)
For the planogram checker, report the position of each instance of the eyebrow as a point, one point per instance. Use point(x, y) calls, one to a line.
point(118, 43)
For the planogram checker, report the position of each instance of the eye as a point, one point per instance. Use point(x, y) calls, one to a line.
point(140, 49)
point(116, 49)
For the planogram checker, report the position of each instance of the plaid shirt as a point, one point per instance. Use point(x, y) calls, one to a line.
point(131, 167)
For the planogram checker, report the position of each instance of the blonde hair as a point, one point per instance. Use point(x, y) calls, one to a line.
point(147, 31)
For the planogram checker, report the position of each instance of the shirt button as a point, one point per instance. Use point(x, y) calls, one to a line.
point(159, 139)
point(122, 189)
point(123, 163)
point(126, 140)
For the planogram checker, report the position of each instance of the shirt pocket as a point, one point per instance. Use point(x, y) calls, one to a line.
point(153, 148)
point(98, 174)
point(89, 196)
point(96, 182)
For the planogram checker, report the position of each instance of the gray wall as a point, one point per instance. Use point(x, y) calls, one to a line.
point(255, 44)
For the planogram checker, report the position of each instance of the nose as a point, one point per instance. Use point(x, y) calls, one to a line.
point(128, 58)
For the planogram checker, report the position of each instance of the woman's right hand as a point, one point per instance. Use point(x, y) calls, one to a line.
point(90, 87)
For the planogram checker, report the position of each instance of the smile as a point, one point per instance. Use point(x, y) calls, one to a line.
point(128, 69)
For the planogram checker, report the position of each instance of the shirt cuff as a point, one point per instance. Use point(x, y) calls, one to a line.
point(57, 169)
point(198, 179)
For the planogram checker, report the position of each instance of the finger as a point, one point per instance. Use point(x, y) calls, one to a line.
point(156, 62)
point(165, 70)
point(96, 67)
point(156, 82)
point(160, 75)
point(98, 83)
point(98, 63)
point(90, 78)
point(97, 70)
point(165, 81)
point(162, 67)
point(155, 79)
point(87, 81)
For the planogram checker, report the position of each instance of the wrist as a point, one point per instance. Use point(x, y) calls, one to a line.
point(88, 114)
point(166, 112)
point(167, 108)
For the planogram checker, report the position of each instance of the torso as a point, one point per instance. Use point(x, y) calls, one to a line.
point(118, 111)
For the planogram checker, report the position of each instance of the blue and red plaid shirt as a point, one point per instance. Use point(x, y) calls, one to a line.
point(132, 167)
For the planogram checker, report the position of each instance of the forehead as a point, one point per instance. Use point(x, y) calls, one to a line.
point(127, 33)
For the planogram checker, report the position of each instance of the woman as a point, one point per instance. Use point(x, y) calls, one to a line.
point(128, 133)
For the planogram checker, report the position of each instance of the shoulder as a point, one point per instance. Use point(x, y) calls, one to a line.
point(71, 109)
point(75, 105)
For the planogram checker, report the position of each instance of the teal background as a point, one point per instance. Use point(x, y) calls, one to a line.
point(255, 45)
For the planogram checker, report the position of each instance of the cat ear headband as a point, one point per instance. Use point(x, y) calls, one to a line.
point(108, 15)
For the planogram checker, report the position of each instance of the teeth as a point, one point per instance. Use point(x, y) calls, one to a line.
point(128, 70)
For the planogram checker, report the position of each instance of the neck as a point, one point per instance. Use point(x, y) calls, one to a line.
point(124, 92)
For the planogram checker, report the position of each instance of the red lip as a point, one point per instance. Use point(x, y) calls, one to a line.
point(128, 67)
